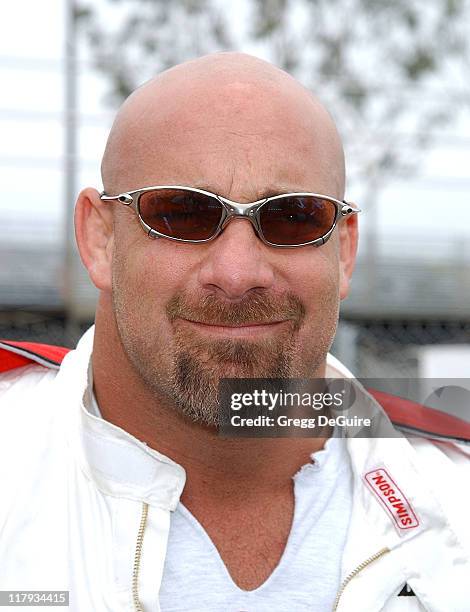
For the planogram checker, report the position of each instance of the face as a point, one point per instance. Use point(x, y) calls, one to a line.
point(190, 314)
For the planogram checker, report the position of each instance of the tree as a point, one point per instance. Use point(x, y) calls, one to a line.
point(379, 64)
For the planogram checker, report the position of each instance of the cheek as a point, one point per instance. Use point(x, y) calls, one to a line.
point(133, 283)
point(146, 274)
point(320, 295)
point(318, 289)
point(139, 298)
point(124, 295)
point(316, 274)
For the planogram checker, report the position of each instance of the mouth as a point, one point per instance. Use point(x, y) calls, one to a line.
point(247, 330)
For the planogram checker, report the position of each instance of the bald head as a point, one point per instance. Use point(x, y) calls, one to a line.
point(230, 116)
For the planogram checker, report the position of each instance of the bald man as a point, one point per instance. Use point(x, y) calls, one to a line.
point(116, 486)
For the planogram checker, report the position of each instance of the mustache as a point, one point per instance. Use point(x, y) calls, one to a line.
point(258, 306)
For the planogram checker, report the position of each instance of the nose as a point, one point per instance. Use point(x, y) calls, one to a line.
point(236, 262)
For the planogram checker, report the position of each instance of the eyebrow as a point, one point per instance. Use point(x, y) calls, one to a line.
point(268, 192)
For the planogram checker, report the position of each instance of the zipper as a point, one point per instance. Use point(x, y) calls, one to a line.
point(138, 553)
point(356, 571)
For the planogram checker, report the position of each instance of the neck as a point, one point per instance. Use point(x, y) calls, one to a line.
point(219, 469)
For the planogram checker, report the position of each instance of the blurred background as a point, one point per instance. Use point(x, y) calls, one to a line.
point(394, 75)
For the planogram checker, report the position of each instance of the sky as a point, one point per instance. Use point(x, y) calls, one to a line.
point(428, 213)
point(32, 117)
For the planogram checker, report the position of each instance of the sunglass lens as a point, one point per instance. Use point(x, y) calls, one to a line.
point(296, 220)
point(180, 214)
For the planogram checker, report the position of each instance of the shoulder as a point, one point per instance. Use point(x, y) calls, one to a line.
point(26, 409)
point(442, 457)
point(14, 354)
point(421, 421)
point(27, 373)
point(19, 383)
point(443, 468)
point(439, 456)
point(32, 423)
point(439, 427)
point(31, 428)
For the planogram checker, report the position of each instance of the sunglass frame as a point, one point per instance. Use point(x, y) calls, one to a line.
point(230, 210)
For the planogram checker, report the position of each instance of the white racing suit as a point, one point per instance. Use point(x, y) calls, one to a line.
point(85, 507)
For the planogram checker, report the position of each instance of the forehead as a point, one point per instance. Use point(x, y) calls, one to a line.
point(234, 134)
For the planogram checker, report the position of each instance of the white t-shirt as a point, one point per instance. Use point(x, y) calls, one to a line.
point(307, 577)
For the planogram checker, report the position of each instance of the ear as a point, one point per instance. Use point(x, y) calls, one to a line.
point(95, 234)
point(348, 236)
